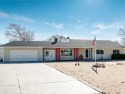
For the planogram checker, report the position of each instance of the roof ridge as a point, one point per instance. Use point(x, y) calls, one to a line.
point(90, 39)
point(70, 39)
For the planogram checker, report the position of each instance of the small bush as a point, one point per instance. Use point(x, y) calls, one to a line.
point(81, 57)
point(118, 56)
point(99, 65)
point(120, 64)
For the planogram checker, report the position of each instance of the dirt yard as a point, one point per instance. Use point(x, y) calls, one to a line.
point(110, 79)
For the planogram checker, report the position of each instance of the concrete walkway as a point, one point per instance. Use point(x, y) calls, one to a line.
point(38, 79)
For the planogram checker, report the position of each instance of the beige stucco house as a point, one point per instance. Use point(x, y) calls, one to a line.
point(72, 49)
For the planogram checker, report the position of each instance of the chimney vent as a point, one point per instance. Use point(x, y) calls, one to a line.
point(55, 41)
point(67, 37)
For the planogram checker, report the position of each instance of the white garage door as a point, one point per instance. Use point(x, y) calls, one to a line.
point(23, 55)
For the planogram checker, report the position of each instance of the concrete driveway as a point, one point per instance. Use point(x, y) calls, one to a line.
point(38, 78)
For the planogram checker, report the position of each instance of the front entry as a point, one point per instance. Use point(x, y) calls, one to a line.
point(49, 55)
point(88, 53)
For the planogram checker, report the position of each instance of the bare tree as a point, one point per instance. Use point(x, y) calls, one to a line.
point(17, 33)
point(122, 34)
point(59, 37)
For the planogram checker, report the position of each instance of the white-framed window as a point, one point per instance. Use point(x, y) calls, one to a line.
point(115, 51)
point(66, 52)
point(47, 53)
point(99, 51)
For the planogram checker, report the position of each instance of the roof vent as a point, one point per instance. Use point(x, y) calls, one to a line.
point(66, 39)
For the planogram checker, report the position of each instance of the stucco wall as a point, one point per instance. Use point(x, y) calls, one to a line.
point(49, 49)
point(6, 55)
point(7, 50)
point(107, 53)
point(81, 51)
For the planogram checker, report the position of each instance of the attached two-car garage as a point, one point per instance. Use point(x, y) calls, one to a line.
point(23, 55)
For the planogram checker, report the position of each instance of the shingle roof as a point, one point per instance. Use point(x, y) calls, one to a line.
point(73, 43)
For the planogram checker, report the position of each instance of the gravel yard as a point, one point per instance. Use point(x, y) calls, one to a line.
point(110, 79)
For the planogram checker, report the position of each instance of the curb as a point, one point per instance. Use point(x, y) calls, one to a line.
point(93, 87)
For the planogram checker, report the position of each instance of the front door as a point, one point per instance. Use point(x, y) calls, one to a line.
point(49, 55)
point(88, 53)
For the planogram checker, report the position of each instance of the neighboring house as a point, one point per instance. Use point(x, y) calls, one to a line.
point(71, 49)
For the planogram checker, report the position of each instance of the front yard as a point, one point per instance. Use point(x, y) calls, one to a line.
point(110, 79)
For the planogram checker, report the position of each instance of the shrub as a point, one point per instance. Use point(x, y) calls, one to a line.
point(81, 57)
point(99, 65)
point(118, 56)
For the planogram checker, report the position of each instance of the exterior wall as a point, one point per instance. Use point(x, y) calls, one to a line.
point(81, 51)
point(49, 48)
point(67, 57)
point(1, 53)
point(6, 53)
point(107, 53)
point(7, 50)
point(122, 51)
point(40, 54)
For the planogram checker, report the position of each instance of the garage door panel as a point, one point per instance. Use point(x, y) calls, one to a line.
point(23, 55)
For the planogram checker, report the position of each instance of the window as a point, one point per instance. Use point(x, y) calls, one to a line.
point(86, 53)
point(66, 52)
point(99, 51)
point(115, 51)
point(102, 52)
point(47, 53)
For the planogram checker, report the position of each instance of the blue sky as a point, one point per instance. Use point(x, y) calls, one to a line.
point(79, 19)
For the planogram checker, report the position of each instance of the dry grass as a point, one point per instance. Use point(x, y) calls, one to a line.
point(110, 79)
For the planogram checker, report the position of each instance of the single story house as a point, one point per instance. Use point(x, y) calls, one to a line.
point(72, 49)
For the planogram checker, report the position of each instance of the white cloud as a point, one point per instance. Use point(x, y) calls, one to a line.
point(22, 18)
point(100, 26)
point(58, 26)
point(95, 32)
point(106, 27)
point(55, 25)
point(4, 15)
point(15, 17)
